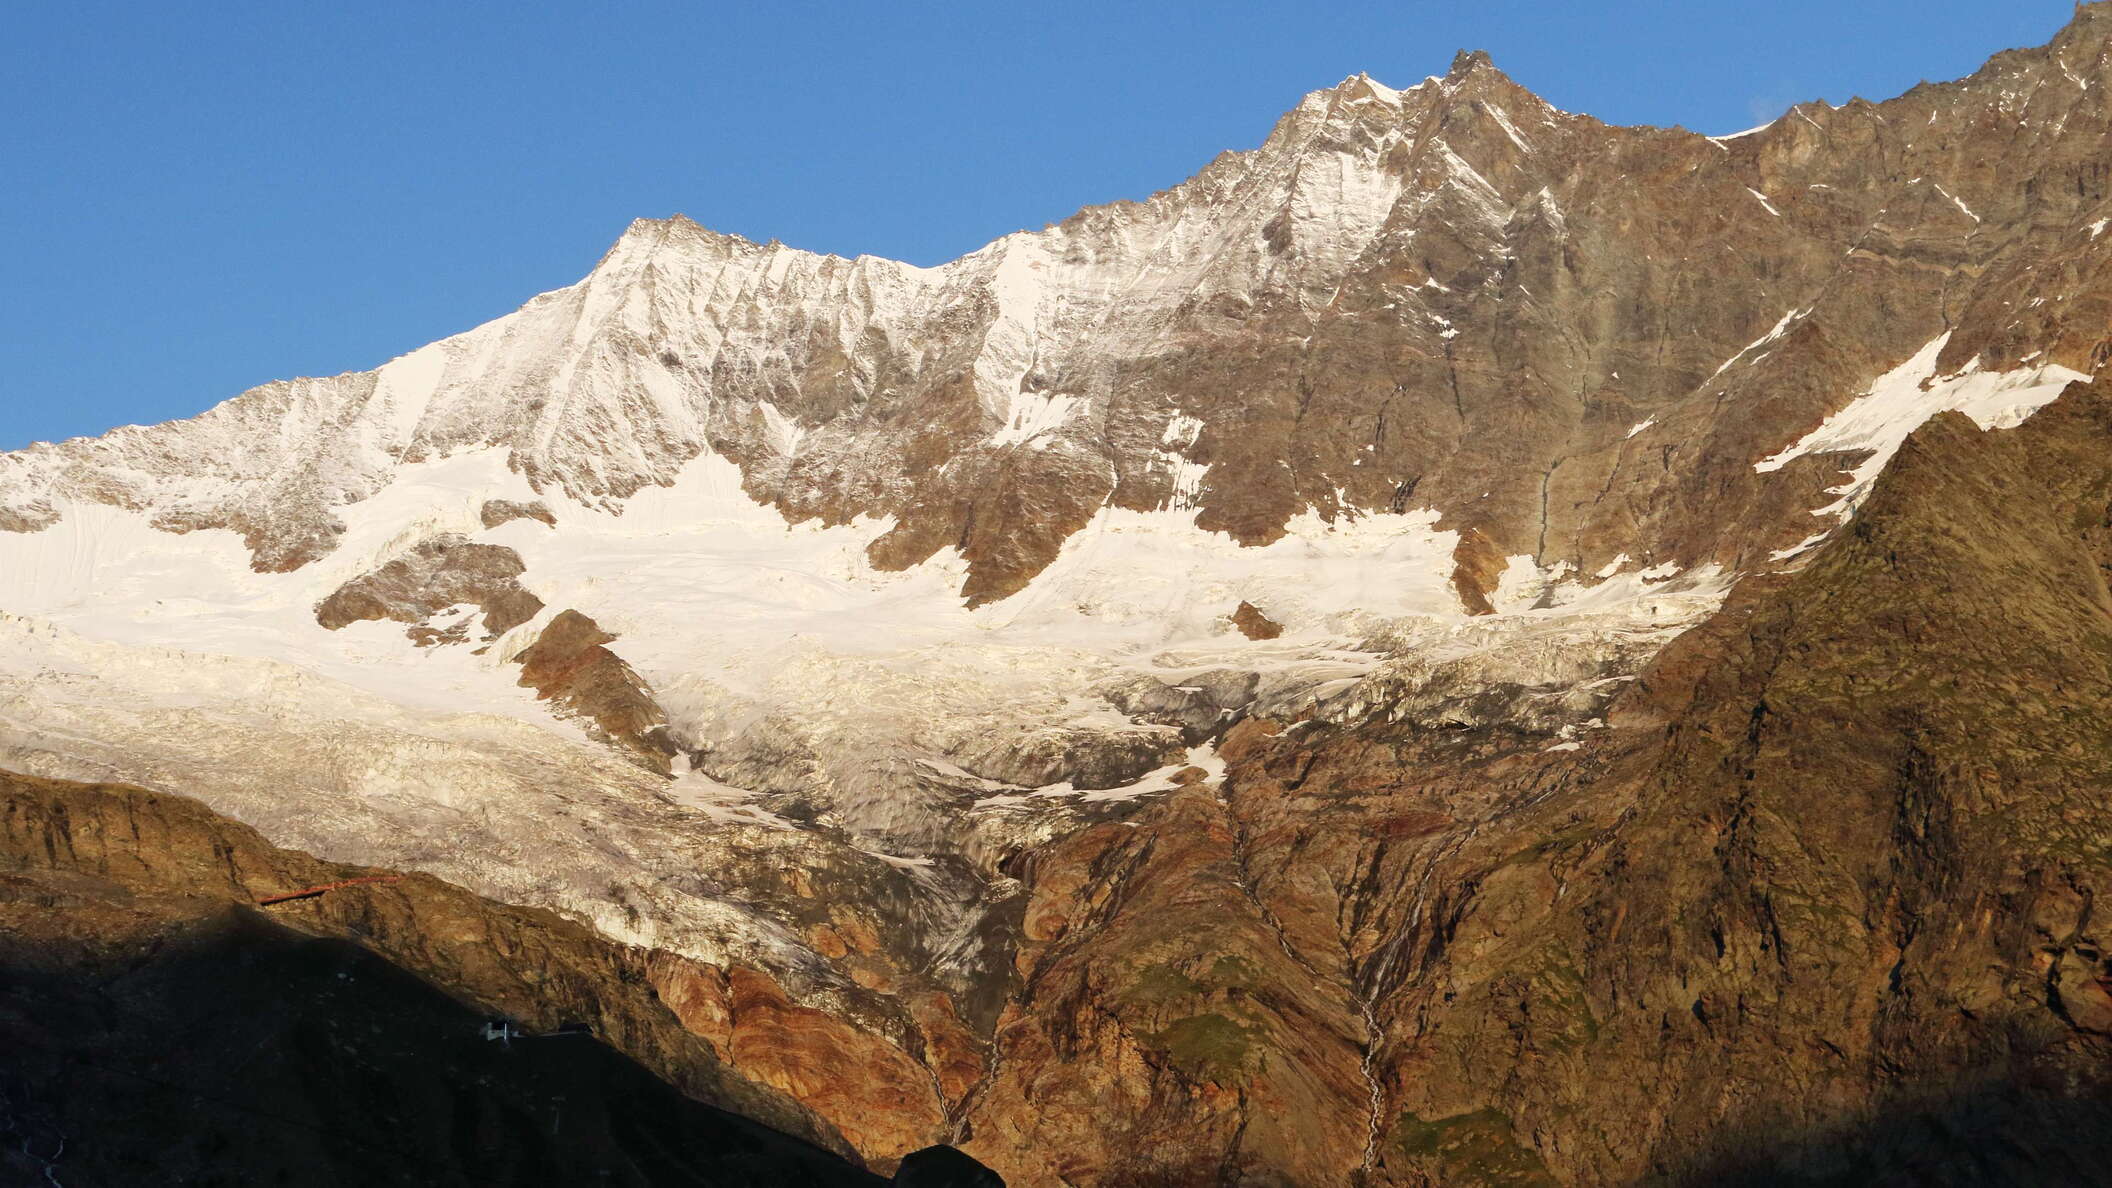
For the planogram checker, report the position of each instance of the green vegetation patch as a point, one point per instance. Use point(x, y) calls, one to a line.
point(1473, 1148)
point(1208, 1047)
point(1165, 981)
point(1161, 982)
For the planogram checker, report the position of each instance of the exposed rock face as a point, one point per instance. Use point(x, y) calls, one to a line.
point(33, 517)
point(568, 664)
point(98, 877)
point(1478, 568)
point(885, 1099)
point(1086, 758)
point(500, 511)
point(177, 1049)
point(161, 865)
point(1164, 1034)
point(1814, 907)
point(1253, 624)
point(1200, 704)
point(443, 572)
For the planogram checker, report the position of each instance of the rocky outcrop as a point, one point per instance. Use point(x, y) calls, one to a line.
point(1253, 624)
point(501, 511)
point(1814, 908)
point(886, 1100)
point(159, 1038)
point(440, 573)
point(1200, 704)
point(1085, 757)
point(1477, 566)
point(568, 664)
point(195, 868)
point(883, 1099)
point(1163, 1032)
point(132, 869)
point(33, 517)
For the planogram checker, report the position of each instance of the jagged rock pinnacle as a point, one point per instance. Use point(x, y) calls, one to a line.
point(1465, 62)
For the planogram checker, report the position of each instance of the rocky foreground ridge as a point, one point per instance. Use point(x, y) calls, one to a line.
point(167, 1020)
point(1462, 645)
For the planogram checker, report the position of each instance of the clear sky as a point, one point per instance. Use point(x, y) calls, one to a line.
point(197, 198)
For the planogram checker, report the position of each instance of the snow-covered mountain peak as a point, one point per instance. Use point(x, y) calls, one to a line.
point(848, 387)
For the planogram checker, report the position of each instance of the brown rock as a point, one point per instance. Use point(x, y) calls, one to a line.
point(442, 572)
point(1167, 1035)
point(1253, 624)
point(568, 664)
point(154, 857)
point(953, 1052)
point(499, 511)
point(1477, 565)
point(884, 1098)
point(35, 517)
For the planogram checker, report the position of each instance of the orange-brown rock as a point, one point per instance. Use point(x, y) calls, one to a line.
point(1165, 1033)
point(884, 1099)
point(1817, 900)
point(1477, 565)
point(1253, 624)
point(951, 1050)
point(569, 665)
point(131, 849)
point(697, 993)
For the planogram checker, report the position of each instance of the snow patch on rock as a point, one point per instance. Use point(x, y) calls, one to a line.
point(1877, 422)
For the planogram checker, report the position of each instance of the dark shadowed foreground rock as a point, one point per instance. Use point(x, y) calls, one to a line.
point(944, 1167)
point(227, 1049)
point(155, 1018)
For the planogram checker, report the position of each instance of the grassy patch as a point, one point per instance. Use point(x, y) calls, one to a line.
point(1474, 1148)
point(1161, 982)
point(1208, 1047)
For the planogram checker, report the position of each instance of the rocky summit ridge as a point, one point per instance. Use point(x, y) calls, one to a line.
point(1462, 644)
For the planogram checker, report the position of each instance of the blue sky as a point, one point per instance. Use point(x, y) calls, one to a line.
point(199, 198)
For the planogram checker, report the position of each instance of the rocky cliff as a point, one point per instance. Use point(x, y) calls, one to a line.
point(162, 965)
point(1814, 907)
